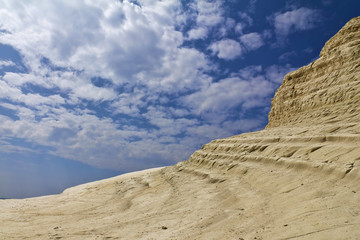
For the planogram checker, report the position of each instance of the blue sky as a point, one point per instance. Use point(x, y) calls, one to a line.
point(92, 89)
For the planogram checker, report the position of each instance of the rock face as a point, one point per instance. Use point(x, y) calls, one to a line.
point(297, 179)
point(314, 121)
point(325, 91)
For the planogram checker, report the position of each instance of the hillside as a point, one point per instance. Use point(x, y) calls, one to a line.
point(296, 179)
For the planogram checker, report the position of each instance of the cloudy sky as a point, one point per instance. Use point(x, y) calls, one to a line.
point(91, 89)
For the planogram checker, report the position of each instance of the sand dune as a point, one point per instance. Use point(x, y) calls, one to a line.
point(297, 179)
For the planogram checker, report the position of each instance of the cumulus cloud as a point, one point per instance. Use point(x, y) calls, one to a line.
point(198, 33)
point(6, 63)
point(219, 96)
point(114, 40)
point(245, 22)
point(250, 87)
point(210, 13)
point(276, 73)
point(227, 49)
point(246, 18)
point(226, 27)
point(207, 19)
point(135, 47)
point(120, 41)
point(247, 89)
point(239, 28)
point(154, 99)
point(252, 41)
point(295, 20)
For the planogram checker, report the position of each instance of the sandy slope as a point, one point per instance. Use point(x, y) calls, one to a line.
point(248, 197)
point(297, 179)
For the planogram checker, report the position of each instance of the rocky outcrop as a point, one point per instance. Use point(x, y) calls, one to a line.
point(296, 179)
point(313, 133)
point(327, 90)
point(314, 122)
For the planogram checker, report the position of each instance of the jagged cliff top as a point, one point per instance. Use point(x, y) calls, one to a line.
point(327, 91)
point(297, 179)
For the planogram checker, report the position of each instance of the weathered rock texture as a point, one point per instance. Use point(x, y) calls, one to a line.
point(325, 91)
point(297, 179)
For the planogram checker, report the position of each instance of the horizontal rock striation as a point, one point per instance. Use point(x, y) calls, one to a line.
point(327, 90)
point(313, 133)
point(338, 155)
point(314, 122)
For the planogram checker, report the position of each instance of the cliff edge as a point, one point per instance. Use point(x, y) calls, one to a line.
point(327, 90)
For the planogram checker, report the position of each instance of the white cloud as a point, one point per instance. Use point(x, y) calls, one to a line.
point(296, 20)
point(276, 73)
point(251, 87)
point(119, 41)
point(181, 70)
point(159, 100)
point(88, 91)
point(246, 18)
point(114, 40)
point(246, 21)
point(198, 33)
point(209, 18)
point(136, 48)
point(243, 89)
point(209, 13)
point(14, 94)
point(227, 49)
point(6, 63)
point(77, 85)
point(226, 27)
point(239, 28)
point(252, 41)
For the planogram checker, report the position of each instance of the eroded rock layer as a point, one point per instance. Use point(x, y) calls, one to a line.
point(327, 90)
point(297, 179)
